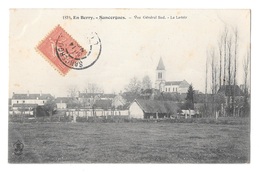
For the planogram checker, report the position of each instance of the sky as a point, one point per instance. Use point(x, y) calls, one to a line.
point(130, 47)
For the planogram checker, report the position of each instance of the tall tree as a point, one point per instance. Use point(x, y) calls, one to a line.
point(229, 74)
point(50, 106)
point(134, 86)
point(206, 87)
point(225, 36)
point(214, 85)
point(146, 82)
point(190, 98)
point(246, 67)
point(220, 49)
point(224, 74)
point(235, 70)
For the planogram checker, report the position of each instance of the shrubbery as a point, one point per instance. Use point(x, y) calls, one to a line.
point(125, 119)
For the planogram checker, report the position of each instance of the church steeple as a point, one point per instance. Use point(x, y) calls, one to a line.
point(160, 65)
point(160, 76)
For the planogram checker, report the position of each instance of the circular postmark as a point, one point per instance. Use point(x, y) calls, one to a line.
point(74, 56)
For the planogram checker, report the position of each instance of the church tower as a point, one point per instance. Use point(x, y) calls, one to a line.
point(160, 76)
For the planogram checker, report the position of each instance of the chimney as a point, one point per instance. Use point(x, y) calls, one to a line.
point(28, 93)
point(40, 93)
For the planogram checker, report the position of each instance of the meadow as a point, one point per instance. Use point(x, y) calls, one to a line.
point(139, 142)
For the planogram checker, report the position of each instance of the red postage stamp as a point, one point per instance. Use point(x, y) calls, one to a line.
point(61, 50)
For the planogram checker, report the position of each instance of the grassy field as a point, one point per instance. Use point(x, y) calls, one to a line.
point(130, 143)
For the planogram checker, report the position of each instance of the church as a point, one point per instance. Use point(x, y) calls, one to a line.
point(168, 86)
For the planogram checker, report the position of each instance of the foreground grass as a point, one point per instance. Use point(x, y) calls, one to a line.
point(130, 143)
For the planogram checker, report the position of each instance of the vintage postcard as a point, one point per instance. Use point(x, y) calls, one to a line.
point(129, 86)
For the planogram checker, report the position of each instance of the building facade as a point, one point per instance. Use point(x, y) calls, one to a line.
point(168, 86)
point(146, 109)
point(26, 103)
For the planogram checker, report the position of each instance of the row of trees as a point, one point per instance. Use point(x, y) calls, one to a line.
point(221, 72)
point(135, 85)
point(89, 88)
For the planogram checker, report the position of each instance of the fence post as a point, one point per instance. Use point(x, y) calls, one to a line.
point(74, 117)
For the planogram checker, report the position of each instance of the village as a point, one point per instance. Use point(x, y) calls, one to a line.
point(149, 90)
point(168, 99)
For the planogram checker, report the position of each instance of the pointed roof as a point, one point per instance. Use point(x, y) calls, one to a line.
point(160, 65)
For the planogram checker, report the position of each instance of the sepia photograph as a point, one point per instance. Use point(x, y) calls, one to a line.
point(161, 86)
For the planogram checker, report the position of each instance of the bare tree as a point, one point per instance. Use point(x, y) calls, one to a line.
point(146, 82)
point(229, 74)
point(206, 87)
point(93, 88)
point(72, 91)
point(214, 84)
point(235, 70)
point(226, 70)
point(134, 86)
point(246, 67)
point(220, 49)
point(225, 36)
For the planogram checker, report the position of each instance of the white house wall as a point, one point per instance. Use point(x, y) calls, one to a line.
point(28, 101)
point(98, 112)
point(135, 111)
point(172, 88)
point(61, 105)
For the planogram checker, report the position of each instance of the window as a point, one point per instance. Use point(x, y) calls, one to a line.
point(42, 101)
point(159, 75)
point(166, 89)
point(17, 102)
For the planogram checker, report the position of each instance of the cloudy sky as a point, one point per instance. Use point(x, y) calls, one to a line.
point(130, 47)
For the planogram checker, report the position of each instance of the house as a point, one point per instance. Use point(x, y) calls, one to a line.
point(39, 99)
point(118, 102)
point(152, 109)
point(23, 109)
point(168, 86)
point(229, 90)
point(62, 102)
point(107, 96)
point(26, 103)
point(103, 104)
point(176, 86)
point(88, 99)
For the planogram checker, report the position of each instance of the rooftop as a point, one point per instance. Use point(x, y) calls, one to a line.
point(160, 65)
point(154, 106)
point(31, 96)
